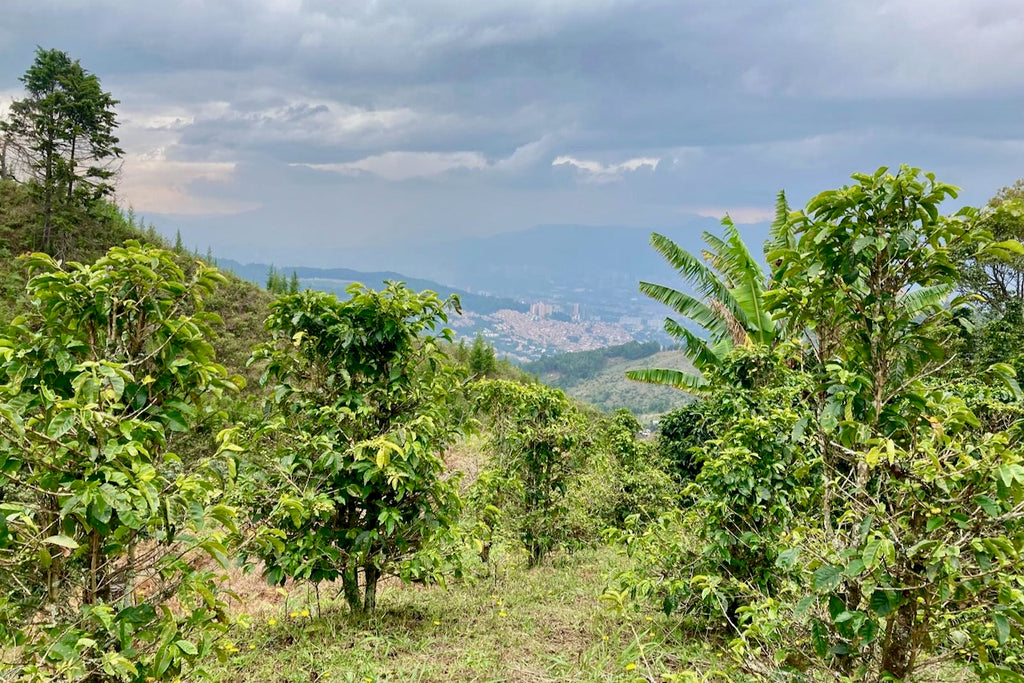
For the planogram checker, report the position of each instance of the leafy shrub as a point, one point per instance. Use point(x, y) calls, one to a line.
point(538, 445)
point(348, 477)
point(641, 484)
point(100, 525)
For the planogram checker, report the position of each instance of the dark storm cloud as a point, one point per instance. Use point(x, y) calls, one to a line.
point(360, 121)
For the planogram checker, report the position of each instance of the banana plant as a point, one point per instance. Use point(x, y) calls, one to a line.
point(727, 303)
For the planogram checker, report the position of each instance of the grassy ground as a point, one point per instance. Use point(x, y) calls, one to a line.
point(544, 624)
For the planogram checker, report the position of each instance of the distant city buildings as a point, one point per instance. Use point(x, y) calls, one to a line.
point(541, 310)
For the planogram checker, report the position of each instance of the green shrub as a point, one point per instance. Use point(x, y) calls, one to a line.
point(348, 478)
point(100, 524)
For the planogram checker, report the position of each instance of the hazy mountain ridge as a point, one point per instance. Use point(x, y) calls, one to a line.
point(337, 279)
point(569, 287)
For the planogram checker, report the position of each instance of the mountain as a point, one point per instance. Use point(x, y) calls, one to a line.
point(595, 267)
point(549, 289)
point(337, 279)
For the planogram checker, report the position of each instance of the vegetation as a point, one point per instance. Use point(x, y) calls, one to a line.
point(572, 368)
point(598, 377)
point(356, 418)
point(733, 311)
point(855, 515)
point(100, 524)
point(845, 501)
point(61, 135)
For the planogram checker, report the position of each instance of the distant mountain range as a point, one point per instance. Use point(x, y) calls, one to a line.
point(338, 279)
point(545, 290)
point(598, 267)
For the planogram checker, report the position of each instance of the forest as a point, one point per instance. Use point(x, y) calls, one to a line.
point(206, 479)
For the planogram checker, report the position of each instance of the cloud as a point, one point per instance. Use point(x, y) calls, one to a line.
point(406, 165)
point(403, 165)
point(157, 185)
point(444, 117)
point(595, 171)
point(741, 215)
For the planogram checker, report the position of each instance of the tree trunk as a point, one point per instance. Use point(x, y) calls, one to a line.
point(350, 587)
point(71, 172)
point(371, 574)
point(899, 648)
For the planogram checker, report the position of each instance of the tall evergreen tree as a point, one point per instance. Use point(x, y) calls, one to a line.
point(482, 361)
point(62, 134)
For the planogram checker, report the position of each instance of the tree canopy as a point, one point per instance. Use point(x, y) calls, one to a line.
point(61, 137)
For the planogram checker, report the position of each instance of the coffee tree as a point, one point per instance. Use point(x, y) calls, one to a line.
point(538, 443)
point(100, 525)
point(916, 545)
point(348, 479)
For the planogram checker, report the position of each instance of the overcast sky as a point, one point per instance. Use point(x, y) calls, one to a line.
point(329, 123)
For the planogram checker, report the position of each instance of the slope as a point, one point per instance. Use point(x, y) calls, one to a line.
point(241, 305)
point(599, 377)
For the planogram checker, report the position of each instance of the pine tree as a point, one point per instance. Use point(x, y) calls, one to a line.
point(62, 133)
point(482, 362)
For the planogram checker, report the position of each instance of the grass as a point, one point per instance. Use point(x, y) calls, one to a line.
point(544, 624)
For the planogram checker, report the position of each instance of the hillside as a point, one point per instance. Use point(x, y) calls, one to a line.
point(241, 305)
point(599, 377)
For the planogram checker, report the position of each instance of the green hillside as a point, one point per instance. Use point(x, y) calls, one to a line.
point(599, 377)
point(241, 305)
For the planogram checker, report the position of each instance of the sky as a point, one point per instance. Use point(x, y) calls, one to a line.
point(256, 126)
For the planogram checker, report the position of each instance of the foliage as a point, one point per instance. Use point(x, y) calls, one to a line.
point(754, 478)
point(576, 366)
point(866, 270)
point(538, 445)
point(598, 378)
point(683, 431)
point(278, 284)
point(857, 511)
point(642, 485)
point(62, 135)
point(732, 310)
point(998, 278)
point(482, 362)
point(100, 526)
point(348, 474)
point(998, 339)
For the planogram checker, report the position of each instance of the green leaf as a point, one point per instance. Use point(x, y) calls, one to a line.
point(62, 541)
point(187, 647)
point(787, 558)
point(61, 424)
point(826, 578)
point(883, 603)
point(1002, 628)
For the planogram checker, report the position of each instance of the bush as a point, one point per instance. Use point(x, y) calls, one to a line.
point(348, 477)
point(539, 444)
point(100, 525)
